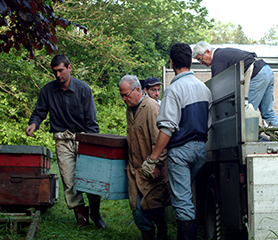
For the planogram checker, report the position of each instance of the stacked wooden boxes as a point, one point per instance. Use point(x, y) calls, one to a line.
point(101, 165)
point(25, 177)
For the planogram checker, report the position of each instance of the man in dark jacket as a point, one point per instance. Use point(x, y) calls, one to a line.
point(261, 77)
point(72, 109)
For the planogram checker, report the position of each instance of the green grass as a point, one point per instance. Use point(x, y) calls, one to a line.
point(59, 222)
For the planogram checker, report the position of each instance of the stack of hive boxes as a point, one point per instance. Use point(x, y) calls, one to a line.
point(25, 177)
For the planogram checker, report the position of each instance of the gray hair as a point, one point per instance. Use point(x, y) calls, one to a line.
point(201, 48)
point(132, 80)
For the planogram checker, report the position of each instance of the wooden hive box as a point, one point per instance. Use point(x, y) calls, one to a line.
point(101, 165)
point(25, 177)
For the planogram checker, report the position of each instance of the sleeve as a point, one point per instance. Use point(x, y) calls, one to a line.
point(41, 110)
point(169, 117)
point(90, 112)
point(154, 134)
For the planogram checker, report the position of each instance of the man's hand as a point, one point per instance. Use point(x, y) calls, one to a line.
point(149, 169)
point(156, 172)
point(30, 129)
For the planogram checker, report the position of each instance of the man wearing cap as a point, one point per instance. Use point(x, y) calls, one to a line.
point(152, 88)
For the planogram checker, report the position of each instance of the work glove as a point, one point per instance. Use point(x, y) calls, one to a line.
point(148, 167)
point(67, 135)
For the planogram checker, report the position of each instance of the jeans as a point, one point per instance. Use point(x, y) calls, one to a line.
point(144, 218)
point(261, 95)
point(183, 163)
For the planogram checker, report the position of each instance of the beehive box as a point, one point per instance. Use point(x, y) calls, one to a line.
point(34, 160)
point(101, 165)
point(25, 177)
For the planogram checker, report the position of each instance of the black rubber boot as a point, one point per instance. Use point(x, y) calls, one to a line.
point(148, 235)
point(187, 230)
point(161, 229)
point(82, 215)
point(94, 212)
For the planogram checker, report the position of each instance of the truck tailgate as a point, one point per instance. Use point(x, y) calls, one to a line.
point(262, 187)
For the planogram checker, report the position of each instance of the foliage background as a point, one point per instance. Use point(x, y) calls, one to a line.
point(124, 37)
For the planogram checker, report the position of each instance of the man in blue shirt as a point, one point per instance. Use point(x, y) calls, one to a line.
point(72, 109)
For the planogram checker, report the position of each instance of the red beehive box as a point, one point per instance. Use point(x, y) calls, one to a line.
point(29, 159)
point(108, 146)
point(25, 177)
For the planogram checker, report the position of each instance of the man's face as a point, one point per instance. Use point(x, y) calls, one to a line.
point(205, 59)
point(62, 73)
point(154, 91)
point(130, 96)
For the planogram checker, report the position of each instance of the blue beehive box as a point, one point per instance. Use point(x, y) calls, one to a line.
point(101, 165)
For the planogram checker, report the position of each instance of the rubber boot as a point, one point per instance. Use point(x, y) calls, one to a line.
point(82, 215)
point(148, 235)
point(94, 214)
point(187, 230)
point(161, 229)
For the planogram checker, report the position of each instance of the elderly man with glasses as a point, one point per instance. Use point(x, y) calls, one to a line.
point(147, 198)
point(257, 72)
point(152, 88)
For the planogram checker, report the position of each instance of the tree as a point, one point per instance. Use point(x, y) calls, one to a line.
point(239, 36)
point(227, 33)
point(132, 36)
point(30, 23)
point(124, 37)
point(270, 37)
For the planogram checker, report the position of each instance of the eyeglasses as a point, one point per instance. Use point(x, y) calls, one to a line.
point(200, 59)
point(154, 90)
point(127, 94)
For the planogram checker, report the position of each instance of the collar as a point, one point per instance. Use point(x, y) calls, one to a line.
point(180, 75)
point(141, 99)
point(72, 86)
point(212, 53)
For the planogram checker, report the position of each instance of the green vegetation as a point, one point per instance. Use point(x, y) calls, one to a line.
point(124, 37)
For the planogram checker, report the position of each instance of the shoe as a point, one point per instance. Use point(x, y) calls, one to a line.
point(82, 215)
point(94, 213)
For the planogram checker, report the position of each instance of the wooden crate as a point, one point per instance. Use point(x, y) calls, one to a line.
point(108, 146)
point(101, 165)
point(28, 190)
point(25, 177)
point(32, 159)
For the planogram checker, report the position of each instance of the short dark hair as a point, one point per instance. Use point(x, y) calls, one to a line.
point(58, 59)
point(181, 55)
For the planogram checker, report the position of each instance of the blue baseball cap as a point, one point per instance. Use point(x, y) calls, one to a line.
point(151, 81)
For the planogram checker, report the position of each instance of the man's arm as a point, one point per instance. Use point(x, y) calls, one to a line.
point(149, 167)
point(90, 113)
point(162, 141)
